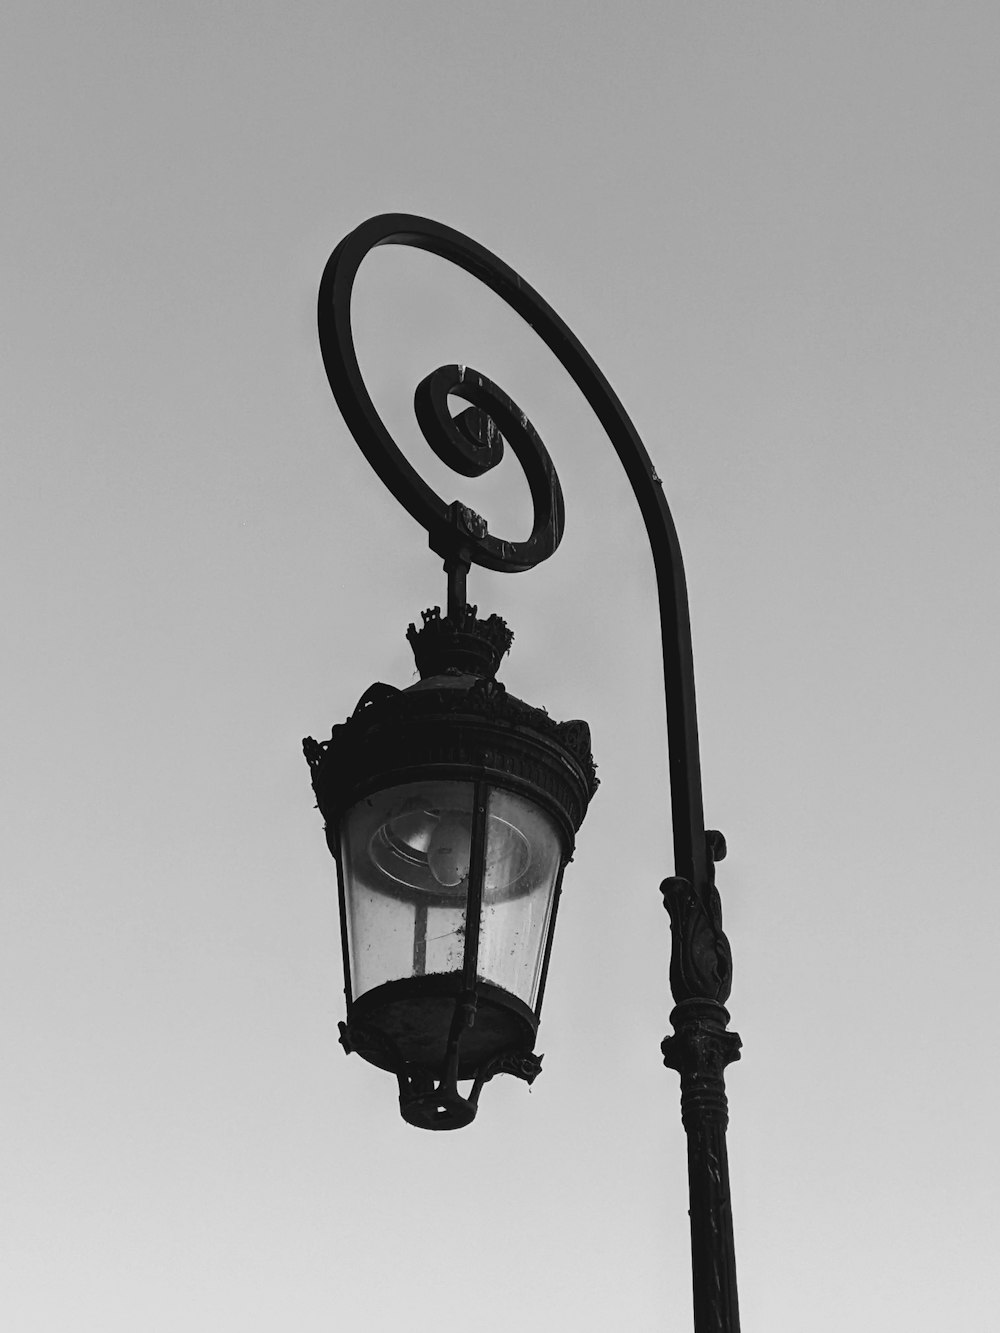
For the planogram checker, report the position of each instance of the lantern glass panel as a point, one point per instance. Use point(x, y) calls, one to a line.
point(523, 858)
point(405, 864)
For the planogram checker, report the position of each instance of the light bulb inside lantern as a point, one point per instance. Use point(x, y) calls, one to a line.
point(449, 851)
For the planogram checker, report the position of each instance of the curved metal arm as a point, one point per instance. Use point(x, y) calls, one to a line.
point(475, 441)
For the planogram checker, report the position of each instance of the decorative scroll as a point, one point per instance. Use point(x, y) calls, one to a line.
point(525, 1065)
point(472, 443)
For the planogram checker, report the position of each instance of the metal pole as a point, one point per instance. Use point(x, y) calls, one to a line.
point(699, 1050)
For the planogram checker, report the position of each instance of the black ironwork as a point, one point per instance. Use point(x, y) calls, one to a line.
point(701, 965)
point(701, 974)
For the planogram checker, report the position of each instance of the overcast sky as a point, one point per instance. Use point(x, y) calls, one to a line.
point(774, 226)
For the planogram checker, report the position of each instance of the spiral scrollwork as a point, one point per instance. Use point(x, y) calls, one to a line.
point(472, 443)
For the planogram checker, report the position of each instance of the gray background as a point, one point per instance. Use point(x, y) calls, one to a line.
point(774, 226)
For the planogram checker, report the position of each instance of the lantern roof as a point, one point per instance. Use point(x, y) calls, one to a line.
point(456, 722)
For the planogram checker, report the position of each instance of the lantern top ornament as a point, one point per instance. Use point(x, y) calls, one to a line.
point(459, 642)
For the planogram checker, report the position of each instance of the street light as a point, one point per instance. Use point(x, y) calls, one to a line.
point(451, 808)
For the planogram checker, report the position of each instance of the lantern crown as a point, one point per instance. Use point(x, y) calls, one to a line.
point(459, 642)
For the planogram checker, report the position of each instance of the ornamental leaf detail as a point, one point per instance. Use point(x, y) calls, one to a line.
point(701, 961)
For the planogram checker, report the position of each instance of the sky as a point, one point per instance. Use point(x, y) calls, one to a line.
point(774, 226)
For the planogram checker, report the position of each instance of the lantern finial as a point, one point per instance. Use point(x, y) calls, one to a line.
point(459, 643)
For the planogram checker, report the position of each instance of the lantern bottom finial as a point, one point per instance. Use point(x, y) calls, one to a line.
point(431, 1034)
point(443, 1107)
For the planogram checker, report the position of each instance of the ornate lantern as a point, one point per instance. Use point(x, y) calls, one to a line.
point(451, 809)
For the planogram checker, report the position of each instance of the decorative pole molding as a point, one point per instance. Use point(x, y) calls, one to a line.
point(701, 968)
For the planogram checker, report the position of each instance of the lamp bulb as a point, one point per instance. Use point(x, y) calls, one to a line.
point(450, 850)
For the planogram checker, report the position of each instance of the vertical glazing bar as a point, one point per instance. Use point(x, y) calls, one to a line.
point(550, 936)
point(338, 853)
point(420, 939)
point(477, 873)
point(465, 1004)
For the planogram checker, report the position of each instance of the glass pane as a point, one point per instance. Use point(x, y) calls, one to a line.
point(523, 855)
point(405, 856)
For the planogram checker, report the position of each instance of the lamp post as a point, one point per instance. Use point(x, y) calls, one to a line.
point(451, 807)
